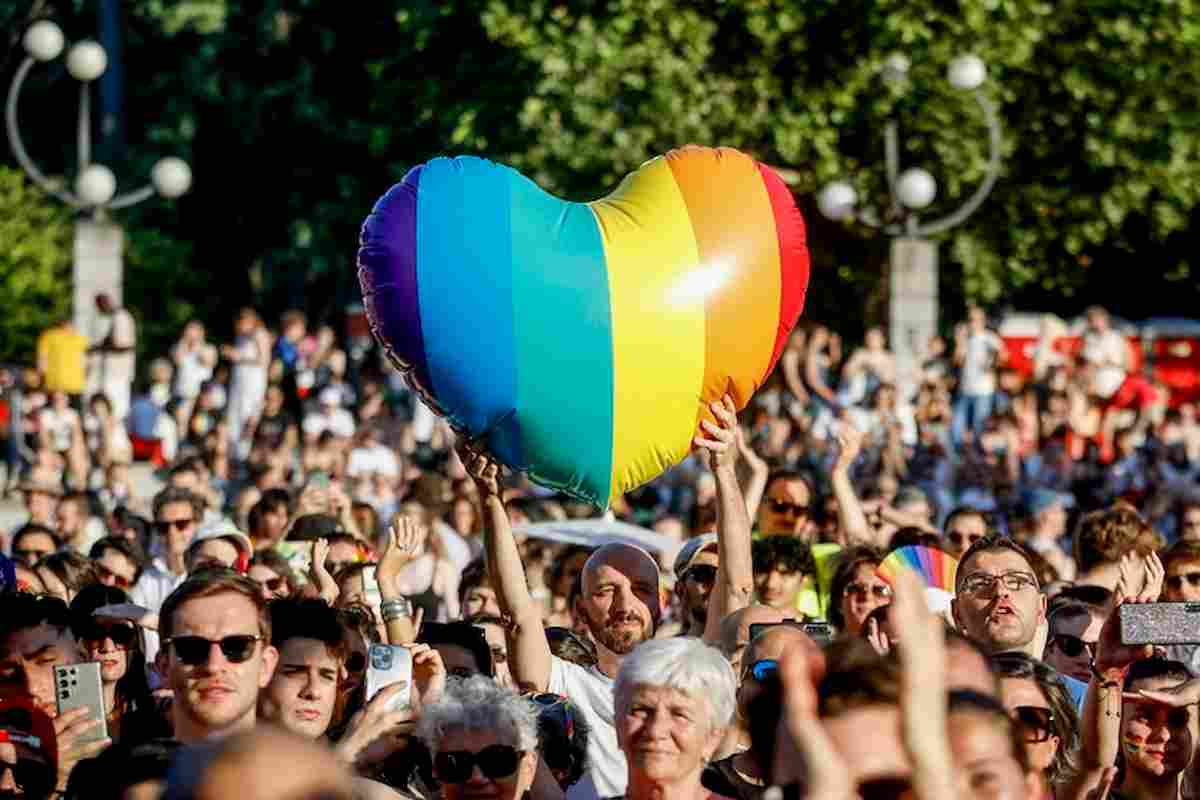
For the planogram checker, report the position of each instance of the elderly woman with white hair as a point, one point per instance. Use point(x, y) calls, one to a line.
point(673, 700)
point(483, 739)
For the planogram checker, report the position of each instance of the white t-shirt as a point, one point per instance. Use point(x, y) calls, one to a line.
point(367, 460)
point(151, 589)
point(339, 421)
point(978, 373)
point(118, 367)
point(1105, 348)
point(592, 693)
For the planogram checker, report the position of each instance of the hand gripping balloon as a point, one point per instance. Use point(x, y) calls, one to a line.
point(582, 342)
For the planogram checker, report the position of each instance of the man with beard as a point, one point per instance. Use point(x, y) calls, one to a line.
point(216, 633)
point(999, 602)
point(619, 600)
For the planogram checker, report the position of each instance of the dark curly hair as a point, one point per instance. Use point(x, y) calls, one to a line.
point(786, 552)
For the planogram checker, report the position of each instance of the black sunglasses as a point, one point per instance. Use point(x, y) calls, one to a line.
point(30, 557)
point(164, 525)
point(884, 788)
point(1035, 720)
point(495, 761)
point(763, 670)
point(702, 573)
point(194, 650)
point(121, 635)
point(1176, 581)
point(785, 507)
point(1071, 646)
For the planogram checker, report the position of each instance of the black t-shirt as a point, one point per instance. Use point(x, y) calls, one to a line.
point(272, 429)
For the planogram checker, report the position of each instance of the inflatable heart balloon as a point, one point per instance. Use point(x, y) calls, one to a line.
point(582, 342)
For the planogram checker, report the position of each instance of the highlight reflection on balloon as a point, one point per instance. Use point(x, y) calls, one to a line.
point(582, 342)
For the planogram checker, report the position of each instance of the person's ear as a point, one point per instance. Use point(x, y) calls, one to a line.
point(1042, 602)
point(956, 616)
point(270, 658)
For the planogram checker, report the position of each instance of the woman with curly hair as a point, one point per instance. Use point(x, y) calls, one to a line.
point(1045, 715)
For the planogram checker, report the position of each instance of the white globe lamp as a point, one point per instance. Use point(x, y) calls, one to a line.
point(43, 40)
point(916, 188)
point(836, 201)
point(967, 72)
point(96, 185)
point(171, 177)
point(86, 61)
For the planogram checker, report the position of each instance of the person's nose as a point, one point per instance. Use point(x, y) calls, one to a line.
point(309, 690)
point(657, 726)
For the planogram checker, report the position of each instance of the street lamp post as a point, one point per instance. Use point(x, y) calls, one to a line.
point(913, 283)
point(99, 242)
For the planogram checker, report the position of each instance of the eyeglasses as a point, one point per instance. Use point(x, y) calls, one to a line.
point(763, 670)
point(981, 583)
point(702, 573)
point(1176, 581)
point(1071, 646)
point(164, 525)
point(121, 635)
point(785, 507)
point(881, 590)
point(194, 650)
point(1036, 722)
point(963, 539)
point(495, 762)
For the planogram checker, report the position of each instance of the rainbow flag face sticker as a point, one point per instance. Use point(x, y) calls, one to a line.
point(581, 342)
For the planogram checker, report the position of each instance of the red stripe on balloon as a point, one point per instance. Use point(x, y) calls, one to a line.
point(793, 258)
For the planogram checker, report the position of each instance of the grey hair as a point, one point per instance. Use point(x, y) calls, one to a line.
point(478, 704)
point(684, 664)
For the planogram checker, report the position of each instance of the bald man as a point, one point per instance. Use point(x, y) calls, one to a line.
point(735, 630)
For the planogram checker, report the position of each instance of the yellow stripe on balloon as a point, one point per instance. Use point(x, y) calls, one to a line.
point(657, 291)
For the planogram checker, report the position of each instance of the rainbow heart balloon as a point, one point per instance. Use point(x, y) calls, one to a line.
point(582, 342)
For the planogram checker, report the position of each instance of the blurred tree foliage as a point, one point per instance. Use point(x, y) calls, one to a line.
point(35, 264)
point(297, 114)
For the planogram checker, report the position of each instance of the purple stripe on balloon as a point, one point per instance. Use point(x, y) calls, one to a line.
point(387, 271)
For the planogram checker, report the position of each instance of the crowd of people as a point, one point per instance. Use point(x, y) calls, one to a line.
point(314, 520)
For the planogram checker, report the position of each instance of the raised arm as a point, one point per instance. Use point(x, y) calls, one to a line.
point(528, 648)
point(851, 517)
point(405, 541)
point(760, 471)
point(735, 572)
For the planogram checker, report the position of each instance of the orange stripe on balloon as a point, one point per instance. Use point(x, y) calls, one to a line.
point(739, 267)
point(793, 257)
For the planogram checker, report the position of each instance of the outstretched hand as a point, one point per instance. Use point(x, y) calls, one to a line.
point(718, 442)
point(406, 541)
point(850, 440)
point(482, 468)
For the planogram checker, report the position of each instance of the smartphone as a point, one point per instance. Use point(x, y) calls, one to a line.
point(78, 685)
point(1160, 623)
point(388, 664)
point(371, 587)
point(819, 632)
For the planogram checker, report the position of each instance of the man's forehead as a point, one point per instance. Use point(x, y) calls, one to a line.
point(218, 611)
point(627, 561)
point(27, 641)
point(967, 523)
point(789, 487)
point(996, 561)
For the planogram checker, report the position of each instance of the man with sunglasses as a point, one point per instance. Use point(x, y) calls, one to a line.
point(964, 526)
point(177, 513)
point(120, 562)
point(32, 543)
point(1074, 629)
point(695, 575)
point(216, 634)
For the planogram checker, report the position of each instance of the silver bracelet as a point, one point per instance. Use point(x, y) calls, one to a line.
point(396, 609)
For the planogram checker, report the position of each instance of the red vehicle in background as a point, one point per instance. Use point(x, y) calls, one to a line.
point(1166, 350)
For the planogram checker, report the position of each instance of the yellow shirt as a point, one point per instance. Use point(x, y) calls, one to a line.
point(63, 350)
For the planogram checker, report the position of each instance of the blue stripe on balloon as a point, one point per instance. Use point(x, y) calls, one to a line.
point(387, 263)
point(565, 382)
point(464, 279)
